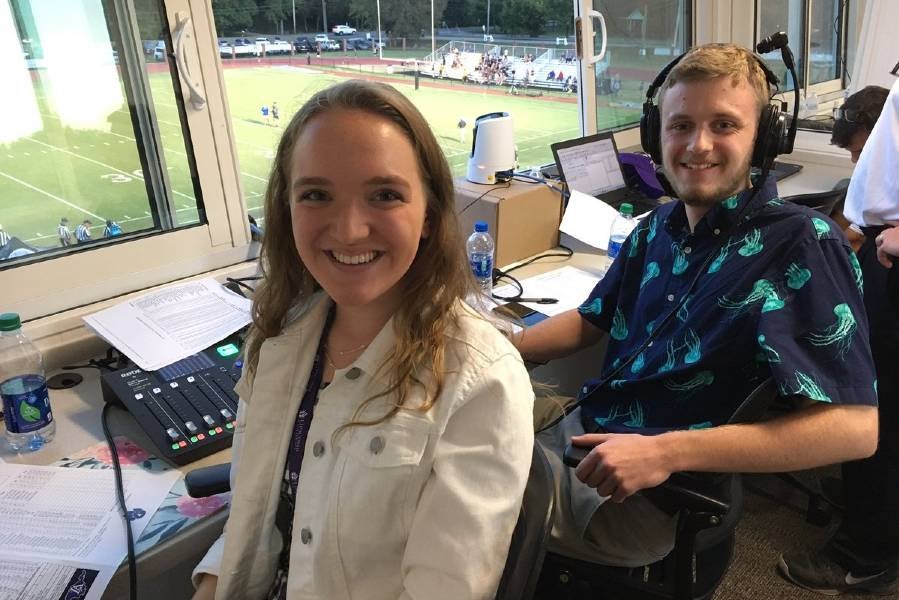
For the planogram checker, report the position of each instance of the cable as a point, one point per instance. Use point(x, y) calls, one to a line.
point(500, 274)
point(120, 496)
point(112, 362)
point(490, 189)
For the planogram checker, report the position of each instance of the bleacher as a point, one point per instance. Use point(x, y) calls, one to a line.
point(461, 61)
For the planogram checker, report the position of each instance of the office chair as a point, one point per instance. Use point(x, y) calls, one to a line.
point(823, 202)
point(526, 550)
point(708, 505)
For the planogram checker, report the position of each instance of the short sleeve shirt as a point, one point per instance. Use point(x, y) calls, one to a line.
point(760, 288)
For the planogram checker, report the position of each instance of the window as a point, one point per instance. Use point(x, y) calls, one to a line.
point(816, 29)
point(101, 191)
point(642, 37)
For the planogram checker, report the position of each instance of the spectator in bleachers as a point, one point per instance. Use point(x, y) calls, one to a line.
point(551, 76)
point(560, 77)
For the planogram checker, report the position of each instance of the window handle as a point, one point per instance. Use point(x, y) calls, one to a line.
point(197, 100)
point(584, 49)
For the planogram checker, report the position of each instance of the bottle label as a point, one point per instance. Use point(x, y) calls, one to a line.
point(26, 403)
point(614, 247)
point(481, 265)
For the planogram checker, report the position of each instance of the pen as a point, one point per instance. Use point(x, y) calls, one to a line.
point(538, 300)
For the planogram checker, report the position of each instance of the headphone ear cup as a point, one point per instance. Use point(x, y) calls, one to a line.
point(650, 132)
point(770, 138)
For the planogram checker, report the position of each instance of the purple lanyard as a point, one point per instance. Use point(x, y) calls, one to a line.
point(307, 405)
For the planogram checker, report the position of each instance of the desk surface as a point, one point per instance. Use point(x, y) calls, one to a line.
point(163, 567)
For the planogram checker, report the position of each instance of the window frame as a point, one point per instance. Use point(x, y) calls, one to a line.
point(60, 283)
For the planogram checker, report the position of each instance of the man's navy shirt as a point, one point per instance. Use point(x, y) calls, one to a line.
point(778, 294)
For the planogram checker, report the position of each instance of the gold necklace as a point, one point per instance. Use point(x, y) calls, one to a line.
point(341, 354)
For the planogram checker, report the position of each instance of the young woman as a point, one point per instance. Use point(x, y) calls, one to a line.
point(384, 433)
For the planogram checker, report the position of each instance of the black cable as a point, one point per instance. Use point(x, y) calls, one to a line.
point(110, 363)
point(500, 274)
point(120, 496)
point(241, 282)
point(490, 189)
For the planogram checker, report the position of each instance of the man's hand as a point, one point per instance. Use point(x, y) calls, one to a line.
point(622, 464)
point(887, 246)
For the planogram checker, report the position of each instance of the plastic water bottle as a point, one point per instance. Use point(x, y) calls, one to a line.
point(480, 256)
point(621, 228)
point(23, 387)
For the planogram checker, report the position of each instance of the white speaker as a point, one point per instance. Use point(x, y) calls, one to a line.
point(492, 156)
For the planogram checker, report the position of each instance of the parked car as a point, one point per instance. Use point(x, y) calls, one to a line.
point(242, 47)
point(321, 38)
point(302, 44)
point(276, 46)
point(342, 30)
point(361, 44)
point(159, 50)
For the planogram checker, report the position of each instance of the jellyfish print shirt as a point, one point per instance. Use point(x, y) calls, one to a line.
point(761, 288)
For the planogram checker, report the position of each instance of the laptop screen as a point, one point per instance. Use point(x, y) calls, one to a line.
point(590, 164)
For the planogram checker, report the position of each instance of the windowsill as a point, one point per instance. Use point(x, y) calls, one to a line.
point(64, 339)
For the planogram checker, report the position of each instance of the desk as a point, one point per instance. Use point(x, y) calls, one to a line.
point(164, 569)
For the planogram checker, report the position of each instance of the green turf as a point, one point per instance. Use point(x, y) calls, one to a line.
point(96, 174)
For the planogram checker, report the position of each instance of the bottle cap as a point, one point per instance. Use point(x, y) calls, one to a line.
point(480, 226)
point(626, 208)
point(10, 322)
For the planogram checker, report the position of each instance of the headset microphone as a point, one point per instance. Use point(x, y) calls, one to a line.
point(779, 41)
point(775, 41)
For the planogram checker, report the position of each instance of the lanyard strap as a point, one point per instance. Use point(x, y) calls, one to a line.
point(307, 406)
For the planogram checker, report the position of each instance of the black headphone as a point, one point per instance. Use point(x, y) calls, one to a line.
point(772, 138)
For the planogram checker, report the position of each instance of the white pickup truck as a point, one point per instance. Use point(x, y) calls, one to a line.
point(270, 47)
point(238, 48)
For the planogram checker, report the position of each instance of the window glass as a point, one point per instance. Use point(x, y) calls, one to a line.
point(487, 57)
point(787, 16)
point(92, 146)
point(825, 32)
point(643, 37)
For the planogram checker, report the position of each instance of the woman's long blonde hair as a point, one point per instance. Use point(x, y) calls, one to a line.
point(438, 277)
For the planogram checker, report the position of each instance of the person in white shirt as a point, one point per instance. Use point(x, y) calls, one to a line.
point(398, 418)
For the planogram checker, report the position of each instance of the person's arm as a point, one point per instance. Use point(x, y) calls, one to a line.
point(557, 337)
point(467, 511)
point(622, 464)
point(206, 587)
point(887, 246)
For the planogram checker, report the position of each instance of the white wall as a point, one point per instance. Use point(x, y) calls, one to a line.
point(878, 48)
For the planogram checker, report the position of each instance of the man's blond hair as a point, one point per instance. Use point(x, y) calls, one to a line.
point(710, 61)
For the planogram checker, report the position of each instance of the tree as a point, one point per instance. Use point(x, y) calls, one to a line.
point(523, 16)
point(234, 15)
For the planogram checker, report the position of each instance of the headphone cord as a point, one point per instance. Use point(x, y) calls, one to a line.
point(120, 498)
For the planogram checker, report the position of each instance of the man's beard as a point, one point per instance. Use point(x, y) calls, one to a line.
point(727, 189)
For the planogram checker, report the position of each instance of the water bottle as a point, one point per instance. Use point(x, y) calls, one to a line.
point(480, 256)
point(23, 387)
point(621, 228)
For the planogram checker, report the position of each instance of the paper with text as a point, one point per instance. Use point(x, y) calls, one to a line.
point(569, 285)
point(159, 328)
point(64, 526)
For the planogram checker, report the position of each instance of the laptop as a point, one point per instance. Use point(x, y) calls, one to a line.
point(590, 165)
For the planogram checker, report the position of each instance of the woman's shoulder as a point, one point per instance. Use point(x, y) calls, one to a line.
point(478, 337)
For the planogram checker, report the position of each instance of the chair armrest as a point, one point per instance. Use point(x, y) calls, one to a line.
point(208, 481)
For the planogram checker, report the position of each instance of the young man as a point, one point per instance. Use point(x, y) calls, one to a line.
point(63, 233)
point(83, 231)
point(709, 296)
point(853, 123)
point(864, 551)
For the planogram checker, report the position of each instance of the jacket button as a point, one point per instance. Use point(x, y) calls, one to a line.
point(318, 448)
point(376, 445)
point(354, 373)
point(305, 535)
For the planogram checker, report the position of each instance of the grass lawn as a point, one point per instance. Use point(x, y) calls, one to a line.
point(79, 173)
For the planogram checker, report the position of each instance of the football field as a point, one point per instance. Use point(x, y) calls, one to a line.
point(64, 170)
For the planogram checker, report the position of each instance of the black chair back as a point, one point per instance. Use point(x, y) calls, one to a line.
point(528, 547)
point(823, 202)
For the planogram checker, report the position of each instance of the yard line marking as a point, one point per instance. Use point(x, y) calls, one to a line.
point(46, 193)
point(97, 162)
